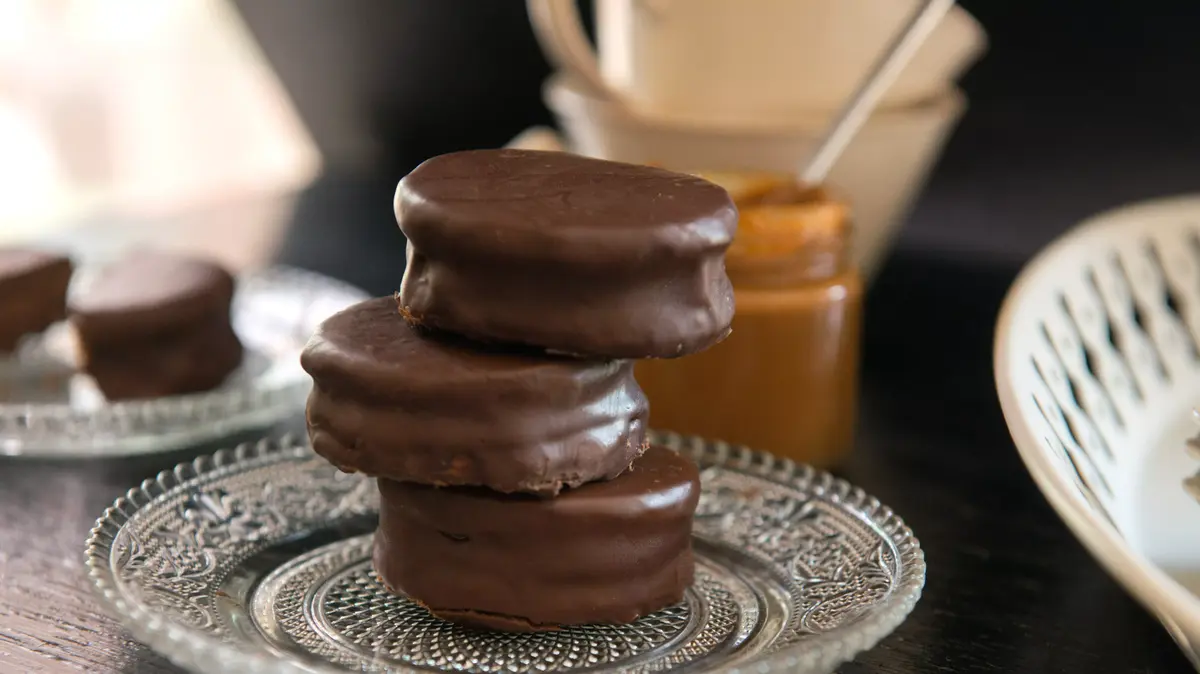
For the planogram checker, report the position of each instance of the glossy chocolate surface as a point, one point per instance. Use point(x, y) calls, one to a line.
point(391, 401)
point(567, 253)
point(606, 552)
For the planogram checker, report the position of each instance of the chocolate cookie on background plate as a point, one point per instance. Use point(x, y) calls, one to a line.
point(155, 324)
point(33, 292)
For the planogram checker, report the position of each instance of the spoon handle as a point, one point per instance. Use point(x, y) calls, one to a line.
point(883, 73)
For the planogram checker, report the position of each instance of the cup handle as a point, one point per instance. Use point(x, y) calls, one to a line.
point(559, 30)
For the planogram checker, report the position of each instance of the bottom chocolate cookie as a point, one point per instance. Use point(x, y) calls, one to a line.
point(605, 552)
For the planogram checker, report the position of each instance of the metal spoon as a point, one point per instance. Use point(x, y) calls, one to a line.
point(883, 73)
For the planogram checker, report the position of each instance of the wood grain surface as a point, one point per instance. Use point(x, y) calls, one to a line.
point(49, 619)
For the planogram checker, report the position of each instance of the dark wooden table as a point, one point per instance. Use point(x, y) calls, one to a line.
point(1009, 589)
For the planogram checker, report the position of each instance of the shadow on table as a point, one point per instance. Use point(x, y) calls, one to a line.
point(1008, 588)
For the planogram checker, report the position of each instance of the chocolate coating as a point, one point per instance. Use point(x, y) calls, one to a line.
point(33, 292)
point(156, 324)
point(195, 359)
point(391, 402)
point(147, 292)
point(570, 254)
point(606, 552)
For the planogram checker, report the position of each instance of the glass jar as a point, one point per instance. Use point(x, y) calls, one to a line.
point(786, 378)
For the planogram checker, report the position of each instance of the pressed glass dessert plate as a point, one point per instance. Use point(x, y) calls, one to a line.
point(49, 409)
point(257, 559)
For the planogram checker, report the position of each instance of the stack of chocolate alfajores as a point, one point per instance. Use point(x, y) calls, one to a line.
point(494, 396)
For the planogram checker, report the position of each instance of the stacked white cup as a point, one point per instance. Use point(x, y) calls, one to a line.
point(721, 85)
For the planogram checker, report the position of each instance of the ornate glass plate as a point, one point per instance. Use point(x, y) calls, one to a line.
point(257, 560)
point(49, 409)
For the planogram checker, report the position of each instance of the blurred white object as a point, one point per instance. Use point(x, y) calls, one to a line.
point(748, 62)
point(146, 105)
point(1097, 366)
point(28, 185)
point(880, 173)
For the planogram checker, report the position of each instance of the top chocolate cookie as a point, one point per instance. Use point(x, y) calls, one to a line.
point(570, 254)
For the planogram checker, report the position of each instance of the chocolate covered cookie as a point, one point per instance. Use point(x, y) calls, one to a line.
point(156, 324)
point(606, 552)
point(392, 402)
point(566, 253)
point(33, 293)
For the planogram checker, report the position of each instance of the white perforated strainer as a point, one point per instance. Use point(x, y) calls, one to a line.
point(1097, 364)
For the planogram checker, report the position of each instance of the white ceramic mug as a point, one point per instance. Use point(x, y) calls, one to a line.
point(747, 62)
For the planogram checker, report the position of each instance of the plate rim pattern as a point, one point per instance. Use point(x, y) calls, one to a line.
point(197, 651)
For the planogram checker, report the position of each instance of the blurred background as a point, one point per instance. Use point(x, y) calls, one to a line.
point(141, 111)
point(256, 131)
point(200, 109)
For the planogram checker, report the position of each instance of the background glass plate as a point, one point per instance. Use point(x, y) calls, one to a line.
point(257, 559)
point(47, 408)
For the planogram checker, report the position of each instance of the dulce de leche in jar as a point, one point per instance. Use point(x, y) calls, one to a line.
point(786, 378)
